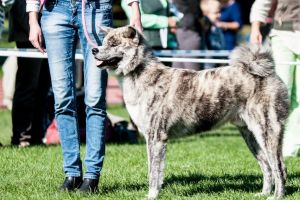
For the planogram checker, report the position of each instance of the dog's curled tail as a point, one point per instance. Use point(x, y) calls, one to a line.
point(256, 60)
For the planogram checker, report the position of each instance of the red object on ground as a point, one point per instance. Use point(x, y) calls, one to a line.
point(52, 136)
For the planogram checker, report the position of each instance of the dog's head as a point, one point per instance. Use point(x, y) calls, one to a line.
point(120, 49)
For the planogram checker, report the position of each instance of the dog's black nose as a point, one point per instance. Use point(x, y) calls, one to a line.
point(95, 51)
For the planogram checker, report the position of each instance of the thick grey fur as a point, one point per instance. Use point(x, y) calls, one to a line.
point(164, 102)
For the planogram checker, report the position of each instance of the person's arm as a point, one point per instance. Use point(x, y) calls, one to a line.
point(236, 23)
point(151, 20)
point(258, 15)
point(35, 32)
point(255, 35)
point(228, 25)
point(135, 19)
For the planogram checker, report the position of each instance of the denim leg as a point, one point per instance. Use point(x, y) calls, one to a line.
point(95, 82)
point(60, 37)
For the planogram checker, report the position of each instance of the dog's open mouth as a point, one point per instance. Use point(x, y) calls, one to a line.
point(110, 62)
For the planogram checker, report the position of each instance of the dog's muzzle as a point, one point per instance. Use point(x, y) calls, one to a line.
point(94, 52)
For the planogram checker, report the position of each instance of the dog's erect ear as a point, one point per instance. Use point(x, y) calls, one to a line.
point(105, 29)
point(130, 32)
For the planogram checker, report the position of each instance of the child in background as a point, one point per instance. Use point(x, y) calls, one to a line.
point(213, 35)
point(214, 39)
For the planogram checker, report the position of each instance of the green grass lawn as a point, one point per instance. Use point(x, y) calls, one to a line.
point(215, 165)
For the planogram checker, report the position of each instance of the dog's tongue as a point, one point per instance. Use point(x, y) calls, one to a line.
point(98, 62)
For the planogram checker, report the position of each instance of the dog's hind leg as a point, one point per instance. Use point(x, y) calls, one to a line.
point(261, 158)
point(268, 132)
point(156, 150)
point(274, 148)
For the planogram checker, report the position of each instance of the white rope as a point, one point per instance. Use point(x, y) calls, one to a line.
point(193, 60)
point(29, 53)
point(32, 53)
point(191, 53)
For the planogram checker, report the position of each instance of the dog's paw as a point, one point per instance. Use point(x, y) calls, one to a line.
point(153, 193)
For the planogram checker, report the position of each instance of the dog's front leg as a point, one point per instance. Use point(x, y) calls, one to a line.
point(156, 150)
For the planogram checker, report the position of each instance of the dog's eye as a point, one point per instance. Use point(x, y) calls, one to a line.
point(114, 43)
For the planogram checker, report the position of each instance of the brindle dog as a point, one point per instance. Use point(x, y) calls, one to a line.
point(163, 101)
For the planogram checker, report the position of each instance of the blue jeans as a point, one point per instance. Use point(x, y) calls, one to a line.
point(61, 24)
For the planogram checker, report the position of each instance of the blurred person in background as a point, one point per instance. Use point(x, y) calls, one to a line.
point(30, 116)
point(189, 30)
point(214, 39)
point(285, 40)
point(213, 35)
point(230, 22)
point(9, 67)
point(158, 23)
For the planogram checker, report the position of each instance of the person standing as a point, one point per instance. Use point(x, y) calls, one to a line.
point(285, 40)
point(189, 30)
point(32, 85)
point(158, 22)
point(62, 26)
point(213, 35)
point(230, 22)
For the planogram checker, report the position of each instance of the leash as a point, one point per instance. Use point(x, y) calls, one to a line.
point(84, 25)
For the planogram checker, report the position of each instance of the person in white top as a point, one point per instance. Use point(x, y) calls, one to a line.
point(285, 40)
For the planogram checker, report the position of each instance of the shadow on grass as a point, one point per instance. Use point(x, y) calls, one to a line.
point(217, 184)
point(205, 184)
point(116, 187)
point(292, 178)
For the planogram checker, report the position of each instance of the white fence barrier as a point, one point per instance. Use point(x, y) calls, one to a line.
point(163, 55)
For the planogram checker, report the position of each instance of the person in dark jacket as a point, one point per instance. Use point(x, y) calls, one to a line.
point(30, 117)
point(189, 30)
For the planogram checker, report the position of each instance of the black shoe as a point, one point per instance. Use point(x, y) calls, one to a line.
point(71, 183)
point(89, 186)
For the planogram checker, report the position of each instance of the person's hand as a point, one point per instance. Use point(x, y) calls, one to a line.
point(221, 25)
point(255, 35)
point(35, 33)
point(172, 24)
point(135, 19)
